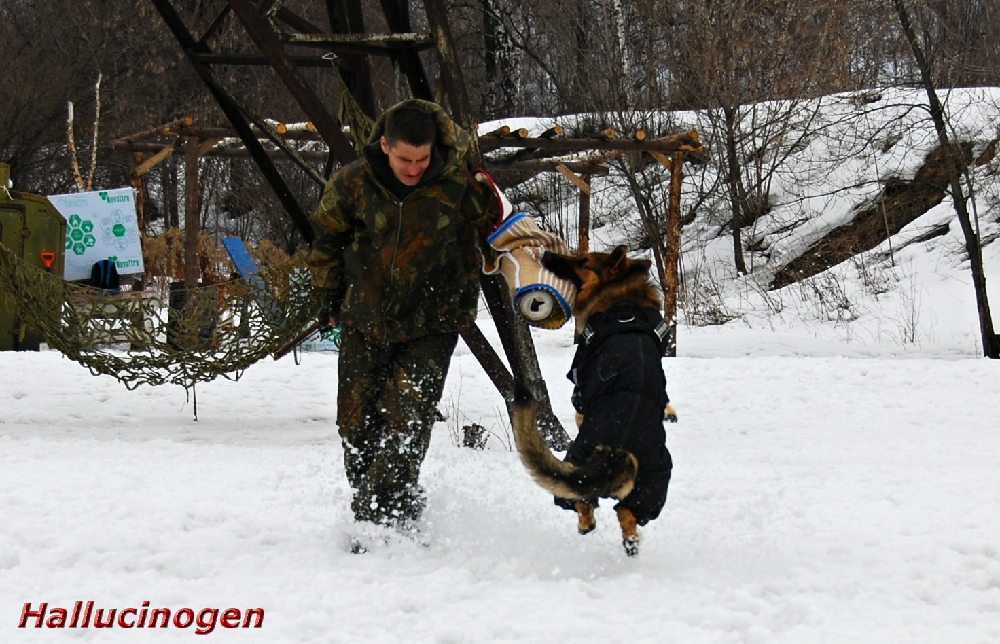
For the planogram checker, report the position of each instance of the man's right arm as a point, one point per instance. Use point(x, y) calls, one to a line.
point(333, 224)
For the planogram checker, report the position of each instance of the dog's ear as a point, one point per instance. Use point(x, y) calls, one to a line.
point(617, 260)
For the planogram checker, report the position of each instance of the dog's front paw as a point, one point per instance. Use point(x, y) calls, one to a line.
point(631, 547)
point(670, 414)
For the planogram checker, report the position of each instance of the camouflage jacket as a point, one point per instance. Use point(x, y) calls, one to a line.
point(403, 269)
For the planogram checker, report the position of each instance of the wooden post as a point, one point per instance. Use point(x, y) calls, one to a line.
point(137, 184)
point(583, 225)
point(191, 212)
point(671, 278)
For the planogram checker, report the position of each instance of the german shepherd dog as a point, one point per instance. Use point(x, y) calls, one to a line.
point(620, 396)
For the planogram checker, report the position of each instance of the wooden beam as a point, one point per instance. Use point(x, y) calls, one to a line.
point(663, 159)
point(214, 28)
point(192, 214)
point(503, 130)
point(139, 193)
point(397, 16)
point(318, 155)
point(234, 112)
point(487, 356)
point(575, 145)
point(579, 167)
point(514, 333)
point(583, 221)
point(548, 166)
point(378, 44)
point(671, 280)
point(569, 174)
point(227, 133)
point(267, 41)
point(206, 146)
point(451, 68)
point(152, 161)
point(308, 133)
point(167, 129)
point(346, 18)
point(255, 59)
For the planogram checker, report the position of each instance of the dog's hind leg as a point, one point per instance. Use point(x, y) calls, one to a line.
point(630, 530)
point(585, 519)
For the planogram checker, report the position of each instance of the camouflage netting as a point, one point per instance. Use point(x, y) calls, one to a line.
point(139, 338)
point(351, 113)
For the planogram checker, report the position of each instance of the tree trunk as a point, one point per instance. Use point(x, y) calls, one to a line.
point(581, 81)
point(991, 343)
point(648, 216)
point(491, 88)
point(621, 32)
point(735, 190)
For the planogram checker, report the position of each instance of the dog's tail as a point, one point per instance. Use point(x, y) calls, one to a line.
point(608, 472)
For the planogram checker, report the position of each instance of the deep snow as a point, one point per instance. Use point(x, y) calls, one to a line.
point(835, 474)
point(816, 497)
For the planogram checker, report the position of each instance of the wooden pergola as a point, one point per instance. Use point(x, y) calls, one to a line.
point(272, 28)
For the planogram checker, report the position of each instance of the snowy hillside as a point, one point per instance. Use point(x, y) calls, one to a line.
point(835, 467)
point(819, 163)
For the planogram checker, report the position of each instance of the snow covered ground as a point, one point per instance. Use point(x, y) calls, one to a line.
point(835, 474)
point(821, 493)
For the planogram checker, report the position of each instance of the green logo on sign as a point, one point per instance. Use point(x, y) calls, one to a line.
point(109, 199)
point(79, 235)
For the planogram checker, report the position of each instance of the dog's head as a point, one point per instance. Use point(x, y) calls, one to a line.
point(595, 274)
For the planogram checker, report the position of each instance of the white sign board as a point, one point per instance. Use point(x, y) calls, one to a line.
point(100, 225)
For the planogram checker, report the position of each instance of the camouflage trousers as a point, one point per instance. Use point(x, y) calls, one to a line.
point(386, 407)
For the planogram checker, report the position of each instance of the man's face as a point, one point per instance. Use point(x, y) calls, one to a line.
point(408, 162)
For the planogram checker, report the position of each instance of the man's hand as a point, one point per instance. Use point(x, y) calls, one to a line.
point(329, 314)
point(327, 321)
point(484, 177)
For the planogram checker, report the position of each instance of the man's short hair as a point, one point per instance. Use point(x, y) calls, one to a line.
point(410, 125)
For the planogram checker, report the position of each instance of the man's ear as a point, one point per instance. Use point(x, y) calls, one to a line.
point(385, 144)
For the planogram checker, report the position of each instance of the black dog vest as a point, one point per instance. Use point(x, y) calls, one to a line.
point(621, 391)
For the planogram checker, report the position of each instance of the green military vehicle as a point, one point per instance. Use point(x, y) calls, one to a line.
point(33, 229)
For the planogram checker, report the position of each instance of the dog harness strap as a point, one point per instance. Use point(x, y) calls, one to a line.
point(662, 331)
point(625, 320)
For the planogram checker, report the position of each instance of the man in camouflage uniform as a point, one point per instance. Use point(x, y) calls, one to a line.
point(397, 254)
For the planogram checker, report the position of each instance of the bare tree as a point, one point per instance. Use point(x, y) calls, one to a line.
point(500, 61)
point(955, 166)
